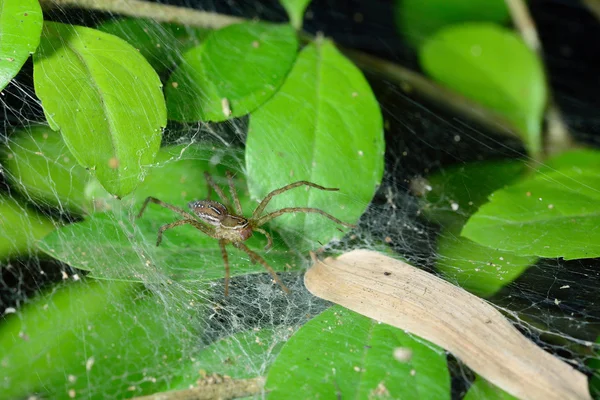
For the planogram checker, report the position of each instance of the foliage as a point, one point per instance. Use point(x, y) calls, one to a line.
point(312, 116)
point(354, 358)
point(476, 59)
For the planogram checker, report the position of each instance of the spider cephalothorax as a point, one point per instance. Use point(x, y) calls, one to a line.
point(215, 219)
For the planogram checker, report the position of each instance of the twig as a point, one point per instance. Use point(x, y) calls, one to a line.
point(557, 136)
point(594, 6)
point(144, 9)
point(404, 77)
point(228, 389)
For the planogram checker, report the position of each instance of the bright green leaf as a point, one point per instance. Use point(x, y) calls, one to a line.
point(39, 165)
point(419, 19)
point(484, 390)
point(324, 125)
point(96, 340)
point(106, 100)
point(458, 191)
point(233, 72)
point(124, 247)
point(549, 215)
point(295, 10)
point(494, 67)
point(20, 28)
point(20, 228)
point(161, 44)
point(478, 269)
point(341, 354)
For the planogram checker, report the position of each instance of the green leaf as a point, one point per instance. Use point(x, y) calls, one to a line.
point(106, 100)
point(232, 73)
point(549, 215)
point(484, 390)
point(574, 160)
point(40, 166)
point(420, 19)
point(295, 10)
point(20, 228)
point(324, 126)
point(161, 44)
point(478, 269)
point(115, 245)
point(458, 191)
point(354, 358)
point(96, 340)
point(20, 28)
point(494, 67)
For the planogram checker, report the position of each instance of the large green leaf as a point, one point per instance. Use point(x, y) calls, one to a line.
point(549, 215)
point(419, 19)
point(480, 270)
point(494, 67)
point(114, 245)
point(324, 125)
point(161, 44)
point(40, 166)
point(106, 100)
point(355, 358)
point(295, 10)
point(20, 228)
point(97, 340)
point(233, 72)
point(20, 28)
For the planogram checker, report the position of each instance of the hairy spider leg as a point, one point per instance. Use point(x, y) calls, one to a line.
point(263, 204)
point(234, 196)
point(216, 188)
point(209, 230)
point(266, 218)
point(171, 207)
point(269, 238)
point(256, 258)
point(222, 243)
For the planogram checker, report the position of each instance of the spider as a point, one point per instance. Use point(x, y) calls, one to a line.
point(217, 221)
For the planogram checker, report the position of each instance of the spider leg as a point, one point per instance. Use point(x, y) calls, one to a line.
point(206, 229)
point(216, 188)
point(257, 258)
point(265, 218)
point(222, 244)
point(161, 203)
point(269, 238)
point(234, 196)
point(263, 204)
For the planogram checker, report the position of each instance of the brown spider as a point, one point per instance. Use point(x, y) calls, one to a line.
point(217, 221)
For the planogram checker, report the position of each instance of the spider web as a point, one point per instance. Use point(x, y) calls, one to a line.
point(181, 320)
